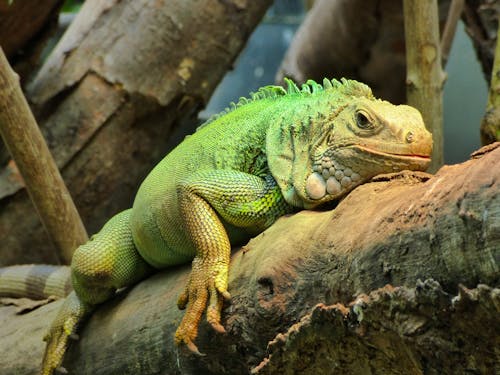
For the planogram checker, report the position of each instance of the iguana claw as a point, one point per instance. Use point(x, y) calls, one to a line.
point(202, 288)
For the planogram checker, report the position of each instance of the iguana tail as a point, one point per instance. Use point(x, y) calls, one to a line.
point(35, 281)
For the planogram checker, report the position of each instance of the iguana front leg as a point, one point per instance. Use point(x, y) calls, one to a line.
point(241, 199)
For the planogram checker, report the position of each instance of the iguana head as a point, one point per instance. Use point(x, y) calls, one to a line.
point(348, 139)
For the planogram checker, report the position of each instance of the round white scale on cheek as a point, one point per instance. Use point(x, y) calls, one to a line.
point(315, 186)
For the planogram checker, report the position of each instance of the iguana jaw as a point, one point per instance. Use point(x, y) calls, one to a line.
point(423, 157)
point(356, 164)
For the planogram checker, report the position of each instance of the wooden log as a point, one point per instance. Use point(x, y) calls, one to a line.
point(396, 230)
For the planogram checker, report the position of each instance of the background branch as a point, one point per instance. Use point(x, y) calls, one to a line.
point(456, 8)
point(490, 125)
point(425, 77)
point(31, 155)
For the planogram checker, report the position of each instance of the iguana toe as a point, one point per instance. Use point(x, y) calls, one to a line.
point(207, 285)
point(63, 328)
point(57, 343)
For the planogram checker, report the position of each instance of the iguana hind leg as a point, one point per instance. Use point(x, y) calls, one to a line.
point(107, 262)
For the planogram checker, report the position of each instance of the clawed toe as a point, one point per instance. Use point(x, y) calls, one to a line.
point(219, 328)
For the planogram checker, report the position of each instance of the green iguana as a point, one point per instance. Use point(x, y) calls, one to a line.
point(277, 152)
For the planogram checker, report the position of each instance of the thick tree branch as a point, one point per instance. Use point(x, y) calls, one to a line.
point(396, 230)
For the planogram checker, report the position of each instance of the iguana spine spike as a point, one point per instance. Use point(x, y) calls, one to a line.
point(315, 87)
point(306, 88)
point(292, 87)
point(327, 84)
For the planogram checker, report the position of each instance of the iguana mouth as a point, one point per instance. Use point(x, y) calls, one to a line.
point(394, 154)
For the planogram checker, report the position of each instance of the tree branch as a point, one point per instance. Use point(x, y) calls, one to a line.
point(45, 185)
point(456, 8)
point(490, 125)
point(425, 77)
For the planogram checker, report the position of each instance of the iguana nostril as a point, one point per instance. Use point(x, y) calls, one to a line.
point(410, 137)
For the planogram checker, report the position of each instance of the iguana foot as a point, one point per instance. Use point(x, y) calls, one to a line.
point(72, 312)
point(207, 283)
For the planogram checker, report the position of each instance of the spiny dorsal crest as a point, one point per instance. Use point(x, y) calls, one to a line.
point(344, 87)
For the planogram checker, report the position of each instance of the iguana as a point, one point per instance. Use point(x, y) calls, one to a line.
point(279, 151)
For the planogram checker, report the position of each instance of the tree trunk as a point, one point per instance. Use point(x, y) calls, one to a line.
point(110, 97)
point(396, 230)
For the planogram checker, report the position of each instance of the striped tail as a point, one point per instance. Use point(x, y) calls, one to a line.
point(35, 281)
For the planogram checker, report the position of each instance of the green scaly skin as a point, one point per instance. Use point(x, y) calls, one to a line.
point(270, 155)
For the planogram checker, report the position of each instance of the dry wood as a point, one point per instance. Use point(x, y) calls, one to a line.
point(45, 185)
point(110, 97)
point(396, 230)
point(424, 74)
point(419, 324)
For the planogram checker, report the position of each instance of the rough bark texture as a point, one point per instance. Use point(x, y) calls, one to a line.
point(44, 183)
point(421, 330)
point(360, 39)
point(109, 98)
point(397, 230)
point(424, 73)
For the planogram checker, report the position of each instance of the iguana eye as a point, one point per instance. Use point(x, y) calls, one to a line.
point(363, 121)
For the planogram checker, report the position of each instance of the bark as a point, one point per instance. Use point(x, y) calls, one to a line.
point(421, 330)
point(424, 73)
point(490, 125)
point(44, 183)
point(357, 39)
point(396, 230)
point(110, 97)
